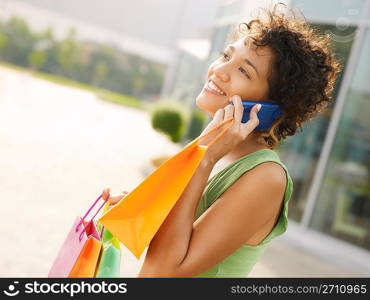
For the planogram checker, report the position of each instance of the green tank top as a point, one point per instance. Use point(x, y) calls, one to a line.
point(240, 263)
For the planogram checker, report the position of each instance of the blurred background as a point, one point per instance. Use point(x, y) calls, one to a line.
point(97, 94)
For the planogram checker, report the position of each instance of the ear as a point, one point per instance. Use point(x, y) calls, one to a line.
point(260, 137)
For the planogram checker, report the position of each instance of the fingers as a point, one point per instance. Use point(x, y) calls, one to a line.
point(114, 199)
point(208, 127)
point(219, 116)
point(106, 192)
point(253, 118)
point(229, 111)
point(239, 109)
point(253, 113)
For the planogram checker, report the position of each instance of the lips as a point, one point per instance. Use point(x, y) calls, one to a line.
point(212, 88)
point(217, 86)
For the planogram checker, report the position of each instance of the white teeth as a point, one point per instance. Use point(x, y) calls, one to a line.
point(212, 86)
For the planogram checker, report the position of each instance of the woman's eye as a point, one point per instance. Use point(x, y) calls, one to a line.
point(245, 72)
point(224, 55)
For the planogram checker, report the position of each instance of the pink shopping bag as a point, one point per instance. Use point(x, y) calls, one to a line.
point(74, 243)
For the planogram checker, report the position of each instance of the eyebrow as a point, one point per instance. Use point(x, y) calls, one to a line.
point(245, 59)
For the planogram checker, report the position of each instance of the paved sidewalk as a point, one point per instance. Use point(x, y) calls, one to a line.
point(284, 260)
point(279, 260)
point(60, 147)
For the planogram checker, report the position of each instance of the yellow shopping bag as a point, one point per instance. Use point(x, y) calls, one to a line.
point(136, 219)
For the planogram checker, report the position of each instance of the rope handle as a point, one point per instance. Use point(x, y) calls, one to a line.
point(215, 128)
point(88, 211)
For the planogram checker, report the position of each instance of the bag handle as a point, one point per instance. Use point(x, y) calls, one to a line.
point(88, 211)
point(102, 226)
point(101, 231)
point(215, 128)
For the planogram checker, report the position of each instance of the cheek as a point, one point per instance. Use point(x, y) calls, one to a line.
point(260, 91)
point(250, 90)
point(240, 86)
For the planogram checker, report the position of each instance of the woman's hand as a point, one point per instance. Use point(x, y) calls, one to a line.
point(236, 134)
point(113, 199)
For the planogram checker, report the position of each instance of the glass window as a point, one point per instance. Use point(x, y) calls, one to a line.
point(219, 38)
point(343, 205)
point(337, 10)
point(301, 152)
point(186, 76)
point(229, 8)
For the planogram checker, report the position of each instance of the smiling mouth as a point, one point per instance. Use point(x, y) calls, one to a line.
point(211, 86)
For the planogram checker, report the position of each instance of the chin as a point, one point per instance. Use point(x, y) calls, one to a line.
point(202, 104)
point(207, 104)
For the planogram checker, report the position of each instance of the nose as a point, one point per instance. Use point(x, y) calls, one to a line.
point(221, 72)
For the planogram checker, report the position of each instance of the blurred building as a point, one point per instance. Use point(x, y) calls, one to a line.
point(330, 159)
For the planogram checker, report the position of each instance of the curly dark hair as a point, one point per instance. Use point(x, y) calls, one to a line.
point(304, 71)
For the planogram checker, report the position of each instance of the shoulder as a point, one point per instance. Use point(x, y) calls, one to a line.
point(266, 181)
point(272, 171)
point(267, 172)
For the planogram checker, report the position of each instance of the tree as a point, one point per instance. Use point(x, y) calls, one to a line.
point(68, 53)
point(3, 43)
point(101, 71)
point(36, 59)
point(20, 41)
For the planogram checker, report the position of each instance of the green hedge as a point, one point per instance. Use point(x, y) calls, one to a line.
point(171, 118)
point(197, 122)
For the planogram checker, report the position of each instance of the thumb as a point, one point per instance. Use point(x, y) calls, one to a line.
point(253, 113)
point(253, 118)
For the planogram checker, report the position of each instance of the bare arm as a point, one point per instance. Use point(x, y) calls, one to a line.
point(183, 248)
point(171, 241)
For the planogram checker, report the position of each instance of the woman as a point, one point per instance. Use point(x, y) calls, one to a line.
point(237, 200)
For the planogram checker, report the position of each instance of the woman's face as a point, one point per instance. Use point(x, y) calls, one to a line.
point(243, 70)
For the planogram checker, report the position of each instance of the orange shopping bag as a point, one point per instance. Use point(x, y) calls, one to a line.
point(136, 219)
point(86, 262)
point(88, 258)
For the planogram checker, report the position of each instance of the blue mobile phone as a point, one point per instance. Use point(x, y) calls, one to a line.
point(267, 115)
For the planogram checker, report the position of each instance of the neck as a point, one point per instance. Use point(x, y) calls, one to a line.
point(248, 146)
